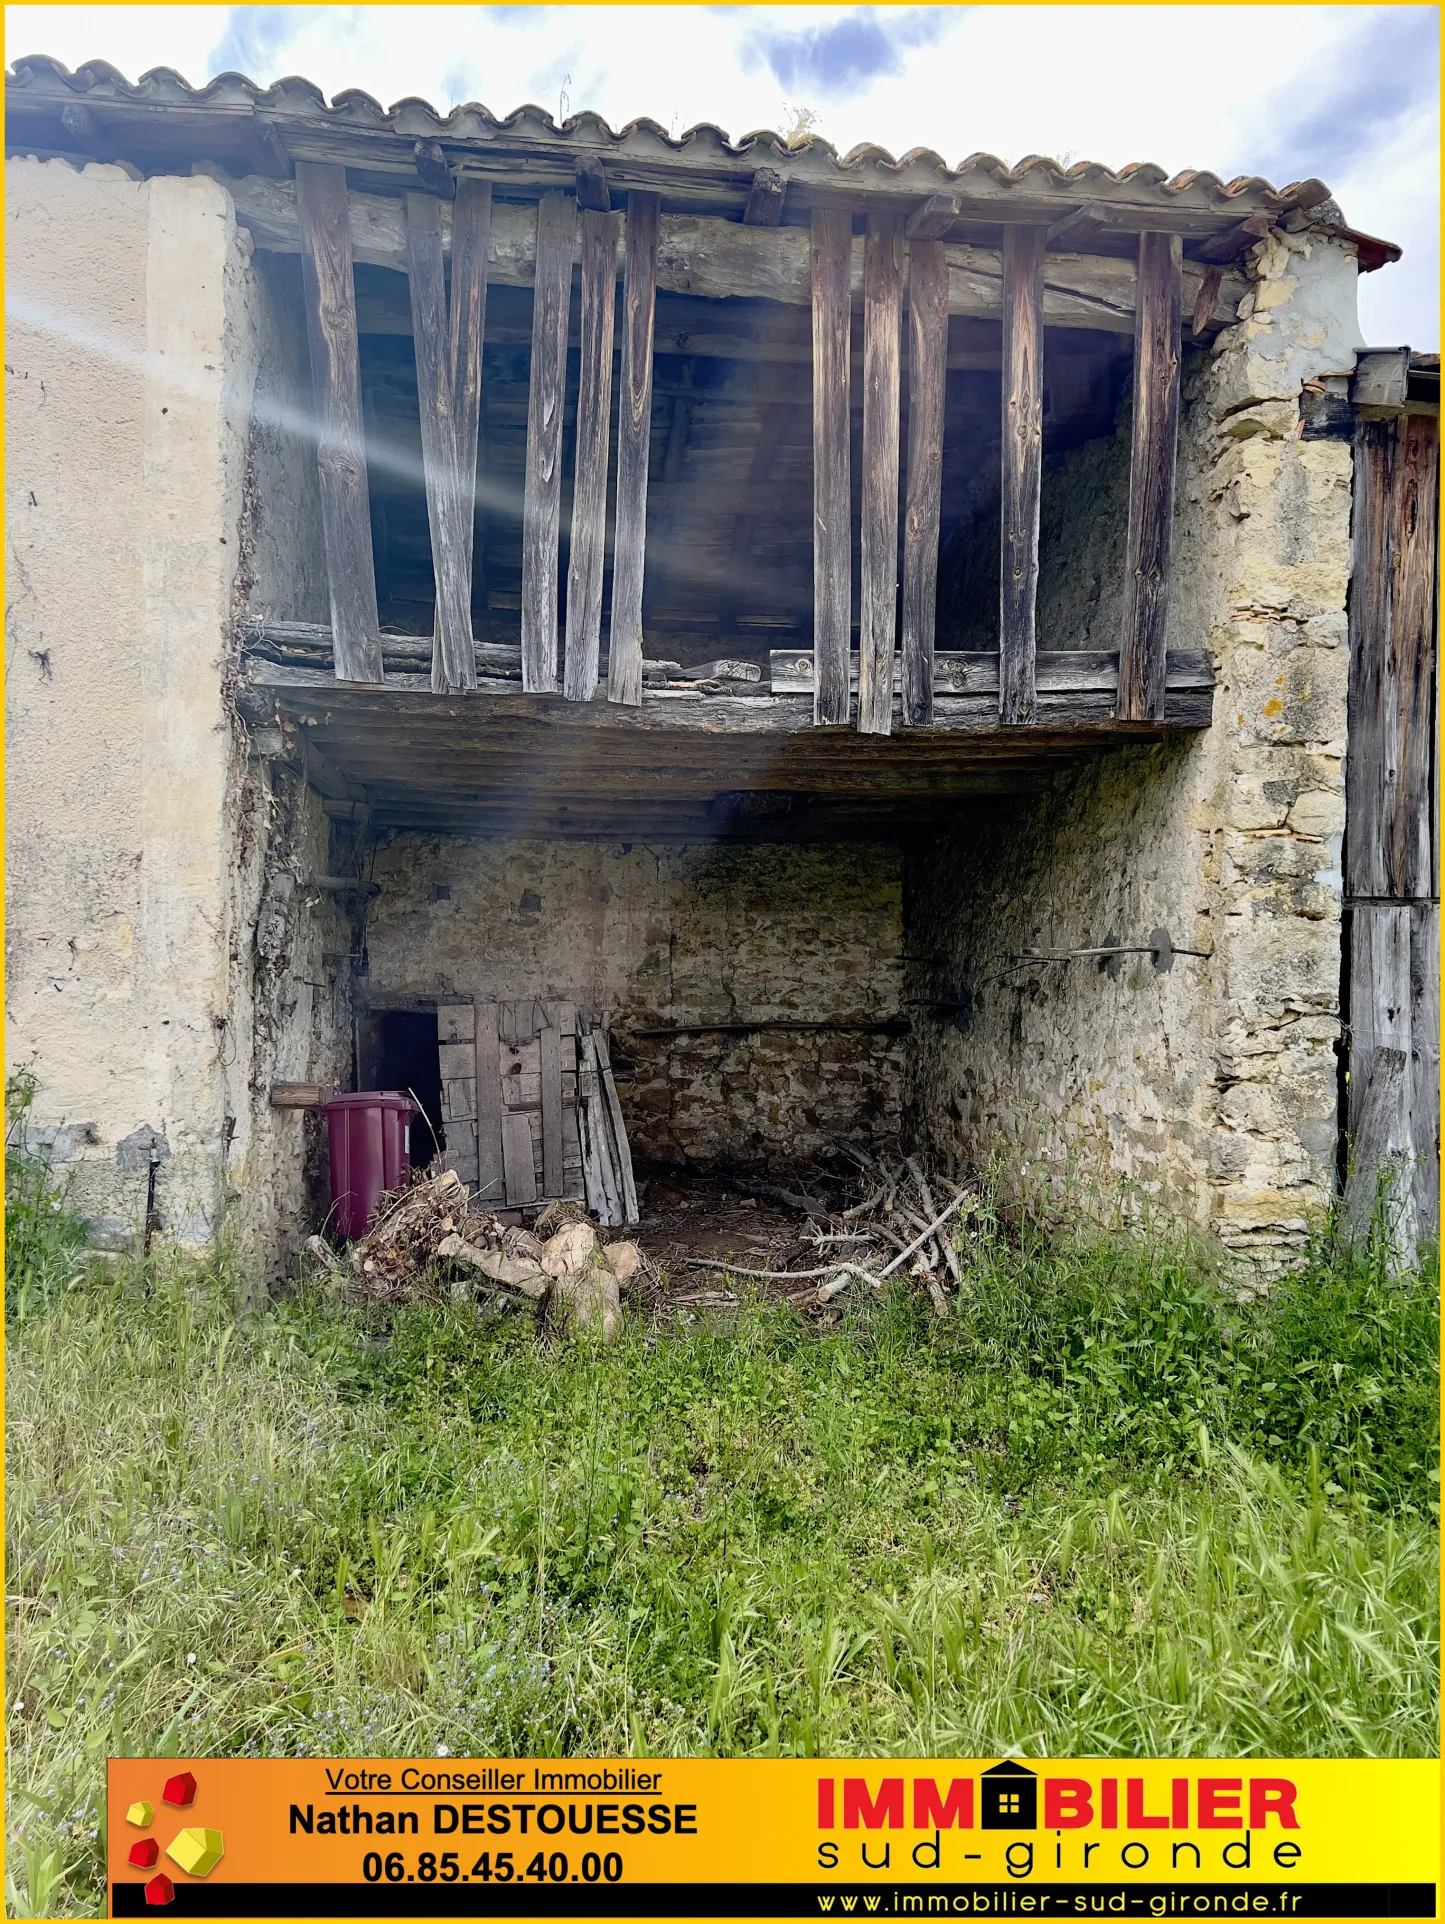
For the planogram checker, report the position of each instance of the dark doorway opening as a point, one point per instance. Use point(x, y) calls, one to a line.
point(407, 1060)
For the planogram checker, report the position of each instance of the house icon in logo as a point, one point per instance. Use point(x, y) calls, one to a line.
point(1008, 1797)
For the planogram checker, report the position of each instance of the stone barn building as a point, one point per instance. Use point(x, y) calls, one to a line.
point(939, 653)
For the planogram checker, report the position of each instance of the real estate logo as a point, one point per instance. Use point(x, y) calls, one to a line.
point(195, 1850)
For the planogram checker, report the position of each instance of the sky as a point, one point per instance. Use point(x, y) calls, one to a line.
point(1349, 94)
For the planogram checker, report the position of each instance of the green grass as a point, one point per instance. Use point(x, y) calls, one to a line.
point(1102, 1509)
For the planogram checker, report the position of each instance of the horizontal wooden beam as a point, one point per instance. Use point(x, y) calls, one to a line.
point(724, 259)
point(1059, 670)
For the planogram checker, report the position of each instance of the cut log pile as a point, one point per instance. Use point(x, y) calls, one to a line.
point(433, 1228)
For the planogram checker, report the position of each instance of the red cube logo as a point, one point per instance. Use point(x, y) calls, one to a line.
point(144, 1853)
point(179, 1790)
point(160, 1890)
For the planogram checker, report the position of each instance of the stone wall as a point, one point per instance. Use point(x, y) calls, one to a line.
point(142, 847)
point(125, 446)
point(1208, 1091)
point(671, 934)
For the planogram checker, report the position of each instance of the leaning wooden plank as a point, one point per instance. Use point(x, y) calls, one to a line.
point(546, 398)
point(330, 292)
point(1369, 772)
point(453, 664)
point(552, 1106)
point(1389, 771)
point(832, 498)
point(878, 542)
point(1151, 479)
point(634, 441)
point(1023, 466)
point(1377, 1151)
point(1424, 1098)
point(622, 1152)
point(471, 238)
point(491, 1177)
point(922, 513)
point(594, 422)
point(521, 1175)
point(598, 1180)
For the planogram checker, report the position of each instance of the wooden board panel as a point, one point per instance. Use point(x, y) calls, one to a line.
point(456, 1022)
point(634, 441)
point(1424, 1097)
point(546, 399)
point(471, 238)
point(832, 488)
point(1389, 769)
point(1023, 466)
point(1151, 479)
point(457, 1059)
point(617, 1129)
point(330, 294)
point(878, 538)
point(1094, 670)
point(521, 1175)
point(923, 508)
point(448, 507)
point(490, 1166)
point(594, 423)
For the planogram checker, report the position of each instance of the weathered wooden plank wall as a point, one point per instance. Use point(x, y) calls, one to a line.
point(923, 508)
point(594, 431)
point(832, 494)
point(1391, 871)
point(1151, 478)
point(1023, 467)
point(547, 393)
point(634, 441)
point(330, 294)
point(448, 490)
point(878, 542)
point(471, 240)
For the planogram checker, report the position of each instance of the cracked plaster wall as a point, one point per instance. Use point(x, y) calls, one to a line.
point(1209, 1092)
point(139, 839)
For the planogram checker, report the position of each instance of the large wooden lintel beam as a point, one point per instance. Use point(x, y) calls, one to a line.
point(719, 258)
point(1151, 479)
point(324, 239)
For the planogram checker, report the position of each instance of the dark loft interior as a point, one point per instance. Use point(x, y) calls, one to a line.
point(729, 525)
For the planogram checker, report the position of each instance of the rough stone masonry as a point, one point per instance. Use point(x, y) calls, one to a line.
point(1208, 1091)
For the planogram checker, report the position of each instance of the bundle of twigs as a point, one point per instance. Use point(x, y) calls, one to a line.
point(897, 1225)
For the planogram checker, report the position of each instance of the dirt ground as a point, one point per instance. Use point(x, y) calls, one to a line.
point(687, 1214)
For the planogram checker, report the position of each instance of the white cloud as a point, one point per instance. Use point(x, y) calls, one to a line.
point(1224, 88)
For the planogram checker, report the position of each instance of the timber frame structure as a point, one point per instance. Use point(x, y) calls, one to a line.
point(773, 284)
point(1020, 569)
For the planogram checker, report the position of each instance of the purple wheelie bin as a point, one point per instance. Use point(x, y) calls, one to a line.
point(370, 1137)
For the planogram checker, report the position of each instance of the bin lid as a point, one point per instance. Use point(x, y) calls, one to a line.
point(371, 1099)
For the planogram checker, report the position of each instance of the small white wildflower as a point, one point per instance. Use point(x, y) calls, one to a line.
point(190, 1658)
point(442, 1751)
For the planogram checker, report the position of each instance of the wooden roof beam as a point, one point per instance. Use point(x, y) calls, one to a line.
point(765, 199)
point(716, 259)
